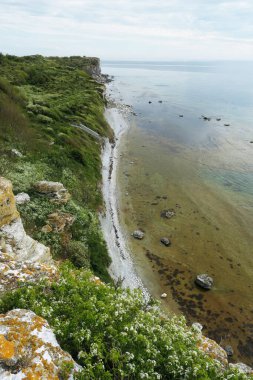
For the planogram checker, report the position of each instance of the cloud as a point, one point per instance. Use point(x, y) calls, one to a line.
point(129, 29)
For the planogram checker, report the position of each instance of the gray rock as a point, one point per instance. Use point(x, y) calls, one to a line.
point(167, 213)
point(138, 234)
point(16, 153)
point(242, 368)
point(204, 281)
point(22, 198)
point(165, 241)
point(197, 326)
point(229, 350)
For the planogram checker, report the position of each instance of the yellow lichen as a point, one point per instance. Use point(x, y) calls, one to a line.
point(7, 349)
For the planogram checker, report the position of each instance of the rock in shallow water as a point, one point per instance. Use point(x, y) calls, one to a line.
point(138, 234)
point(165, 241)
point(204, 281)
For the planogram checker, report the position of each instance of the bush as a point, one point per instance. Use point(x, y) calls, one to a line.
point(77, 252)
point(113, 333)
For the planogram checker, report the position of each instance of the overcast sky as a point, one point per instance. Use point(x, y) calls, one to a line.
point(129, 29)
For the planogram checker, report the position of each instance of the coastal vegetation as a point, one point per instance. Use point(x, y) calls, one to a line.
point(110, 332)
point(40, 100)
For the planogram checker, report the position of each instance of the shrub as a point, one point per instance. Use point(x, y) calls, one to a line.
point(114, 333)
point(77, 252)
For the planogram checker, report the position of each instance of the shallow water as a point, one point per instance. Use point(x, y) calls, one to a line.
point(202, 170)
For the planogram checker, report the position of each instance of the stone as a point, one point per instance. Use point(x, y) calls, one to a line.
point(16, 153)
point(204, 281)
point(21, 246)
point(229, 350)
point(226, 125)
point(46, 229)
point(212, 349)
point(164, 295)
point(218, 119)
point(168, 213)
point(29, 349)
point(59, 221)
point(138, 234)
point(14, 274)
point(197, 327)
point(160, 101)
point(22, 198)
point(8, 210)
point(243, 368)
point(165, 241)
point(54, 190)
point(181, 115)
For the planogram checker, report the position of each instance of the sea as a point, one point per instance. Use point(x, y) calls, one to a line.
point(189, 149)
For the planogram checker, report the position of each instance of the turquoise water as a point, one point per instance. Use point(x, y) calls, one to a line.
point(203, 169)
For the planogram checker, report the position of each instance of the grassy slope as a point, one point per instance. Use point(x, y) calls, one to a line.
point(39, 100)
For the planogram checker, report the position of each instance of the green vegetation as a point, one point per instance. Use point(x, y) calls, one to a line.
point(114, 334)
point(40, 99)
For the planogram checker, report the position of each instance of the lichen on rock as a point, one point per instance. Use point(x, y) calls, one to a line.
point(8, 211)
point(29, 349)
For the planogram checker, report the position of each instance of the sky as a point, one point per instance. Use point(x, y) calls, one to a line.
point(129, 29)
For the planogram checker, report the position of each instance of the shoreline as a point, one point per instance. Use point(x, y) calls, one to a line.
point(122, 268)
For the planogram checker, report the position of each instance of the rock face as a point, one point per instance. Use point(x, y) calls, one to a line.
point(8, 211)
point(29, 349)
point(204, 281)
point(138, 234)
point(14, 274)
point(14, 240)
point(22, 247)
point(54, 190)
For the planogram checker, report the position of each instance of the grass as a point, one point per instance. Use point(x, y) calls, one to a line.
point(40, 99)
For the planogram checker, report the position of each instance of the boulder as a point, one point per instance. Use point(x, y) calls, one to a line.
point(54, 190)
point(22, 247)
point(243, 368)
point(204, 281)
point(14, 274)
point(229, 350)
point(164, 295)
point(16, 153)
point(22, 198)
point(138, 234)
point(8, 211)
point(168, 213)
point(212, 349)
point(197, 327)
point(165, 241)
point(29, 349)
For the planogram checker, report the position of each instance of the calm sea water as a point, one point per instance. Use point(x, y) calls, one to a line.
point(203, 169)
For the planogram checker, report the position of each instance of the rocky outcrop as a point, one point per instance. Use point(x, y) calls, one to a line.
point(14, 274)
point(14, 240)
point(54, 190)
point(20, 246)
point(29, 349)
point(212, 349)
point(8, 211)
